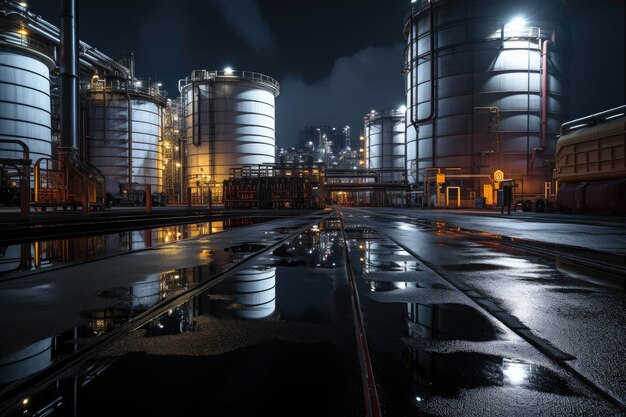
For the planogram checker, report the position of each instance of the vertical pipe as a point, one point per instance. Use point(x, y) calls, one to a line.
point(148, 198)
point(416, 121)
point(129, 118)
point(69, 77)
point(544, 100)
point(544, 94)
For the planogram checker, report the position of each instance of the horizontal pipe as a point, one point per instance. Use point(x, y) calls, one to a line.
point(592, 119)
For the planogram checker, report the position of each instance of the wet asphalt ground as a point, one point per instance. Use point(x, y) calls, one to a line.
point(454, 326)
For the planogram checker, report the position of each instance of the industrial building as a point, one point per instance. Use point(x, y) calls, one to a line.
point(334, 278)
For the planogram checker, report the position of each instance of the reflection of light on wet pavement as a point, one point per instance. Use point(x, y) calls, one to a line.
point(515, 372)
point(512, 262)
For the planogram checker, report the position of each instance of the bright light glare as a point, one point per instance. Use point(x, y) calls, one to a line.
point(515, 372)
point(228, 71)
point(402, 109)
point(516, 23)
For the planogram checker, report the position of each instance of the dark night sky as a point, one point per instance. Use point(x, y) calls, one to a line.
point(335, 59)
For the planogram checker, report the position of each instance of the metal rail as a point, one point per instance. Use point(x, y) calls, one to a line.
point(511, 322)
point(372, 403)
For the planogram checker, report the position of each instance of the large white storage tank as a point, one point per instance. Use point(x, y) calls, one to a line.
point(385, 143)
point(25, 114)
point(230, 122)
point(486, 90)
point(124, 133)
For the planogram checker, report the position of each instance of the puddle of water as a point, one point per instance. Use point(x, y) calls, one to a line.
point(245, 247)
point(263, 372)
point(44, 254)
point(446, 375)
point(272, 378)
point(384, 286)
point(175, 321)
point(249, 294)
point(449, 322)
point(474, 267)
point(288, 263)
point(127, 303)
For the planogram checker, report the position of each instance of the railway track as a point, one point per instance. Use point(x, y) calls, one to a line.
point(12, 397)
point(609, 263)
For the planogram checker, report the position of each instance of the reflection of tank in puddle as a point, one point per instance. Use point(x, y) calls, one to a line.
point(36, 255)
point(175, 321)
point(138, 297)
point(249, 294)
point(376, 256)
point(445, 374)
point(33, 358)
point(42, 354)
point(448, 322)
point(239, 252)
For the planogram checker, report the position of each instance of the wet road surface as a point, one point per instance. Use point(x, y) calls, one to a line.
point(276, 334)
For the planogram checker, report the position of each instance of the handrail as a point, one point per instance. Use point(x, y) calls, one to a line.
point(593, 119)
point(143, 87)
point(231, 75)
point(25, 182)
point(388, 112)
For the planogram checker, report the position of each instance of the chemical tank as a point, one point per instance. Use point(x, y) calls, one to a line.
point(385, 143)
point(591, 163)
point(486, 90)
point(25, 65)
point(230, 122)
point(124, 134)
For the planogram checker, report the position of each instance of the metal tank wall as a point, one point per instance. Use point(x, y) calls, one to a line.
point(385, 141)
point(464, 57)
point(230, 122)
point(124, 134)
point(25, 112)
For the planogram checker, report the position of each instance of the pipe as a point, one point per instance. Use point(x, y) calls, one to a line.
point(130, 142)
point(431, 113)
point(69, 77)
point(544, 94)
point(544, 100)
point(592, 119)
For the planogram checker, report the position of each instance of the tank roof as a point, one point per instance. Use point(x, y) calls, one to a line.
point(228, 75)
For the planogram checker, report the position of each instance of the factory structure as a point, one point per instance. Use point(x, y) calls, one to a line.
point(486, 96)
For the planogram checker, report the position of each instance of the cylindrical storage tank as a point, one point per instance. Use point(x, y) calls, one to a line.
point(478, 93)
point(385, 143)
point(25, 112)
point(124, 134)
point(230, 122)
